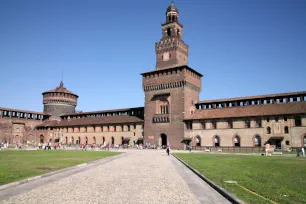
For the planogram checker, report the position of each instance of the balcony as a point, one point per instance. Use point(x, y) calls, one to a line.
point(161, 118)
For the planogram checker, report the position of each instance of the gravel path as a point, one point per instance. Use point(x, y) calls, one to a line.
point(139, 177)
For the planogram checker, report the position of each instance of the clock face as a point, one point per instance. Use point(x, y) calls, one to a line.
point(166, 56)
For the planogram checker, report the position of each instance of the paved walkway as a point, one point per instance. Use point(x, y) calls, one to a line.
point(147, 176)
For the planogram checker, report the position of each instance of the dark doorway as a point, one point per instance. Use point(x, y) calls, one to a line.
point(276, 142)
point(198, 141)
point(217, 141)
point(41, 139)
point(113, 141)
point(163, 140)
point(237, 141)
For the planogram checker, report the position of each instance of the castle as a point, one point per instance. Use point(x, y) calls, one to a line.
point(172, 114)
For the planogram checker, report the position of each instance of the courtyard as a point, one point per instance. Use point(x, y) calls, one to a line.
point(151, 176)
point(137, 176)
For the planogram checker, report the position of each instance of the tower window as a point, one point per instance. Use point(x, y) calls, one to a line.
point(286, 130)
point(169, 31)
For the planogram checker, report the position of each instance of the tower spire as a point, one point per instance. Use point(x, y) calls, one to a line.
point(171, 51)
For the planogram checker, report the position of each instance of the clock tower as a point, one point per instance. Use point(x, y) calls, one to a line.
point(172, 89)
point(171, 51)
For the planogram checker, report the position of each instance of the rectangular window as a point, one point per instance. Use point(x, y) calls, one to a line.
point(258, 123)
point(203, 125)
point(247, 124)
point(213, 124)
point(189, 125)
point(230, 124)
point(298, 122)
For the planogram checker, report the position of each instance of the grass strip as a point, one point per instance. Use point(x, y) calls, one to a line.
point(21, 164)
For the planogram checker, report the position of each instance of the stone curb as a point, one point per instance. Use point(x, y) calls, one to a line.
point(222, 191)
point(17, 183)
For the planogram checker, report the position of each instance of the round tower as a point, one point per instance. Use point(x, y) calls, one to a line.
point(59, 101)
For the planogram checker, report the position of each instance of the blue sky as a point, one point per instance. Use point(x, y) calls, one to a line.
point(242, 47)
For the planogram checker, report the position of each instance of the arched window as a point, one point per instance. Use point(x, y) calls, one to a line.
point(217, 141)
point(198, 141)
point(286, 130)
point(237, 141)
point(257, 141)
point(268, 130)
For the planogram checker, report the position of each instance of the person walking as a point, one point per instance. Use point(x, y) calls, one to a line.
point(168, 150)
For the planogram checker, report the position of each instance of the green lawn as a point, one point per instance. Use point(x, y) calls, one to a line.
point(280, 179)
point(18, 165)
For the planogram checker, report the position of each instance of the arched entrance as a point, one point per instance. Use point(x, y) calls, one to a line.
point(113, 140)
point(198, 141)
point(257, 141)
point(41, 139)
point(163, 140)
point(237, 141)
point(217, 141)
point(103, 140)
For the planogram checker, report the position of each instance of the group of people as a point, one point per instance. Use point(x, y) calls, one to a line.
point(48, 145)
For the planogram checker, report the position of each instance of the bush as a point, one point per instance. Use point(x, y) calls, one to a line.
point(11, 146)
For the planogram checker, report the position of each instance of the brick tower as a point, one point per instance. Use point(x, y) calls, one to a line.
point(59, 101)
point(172, 89)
